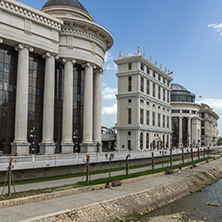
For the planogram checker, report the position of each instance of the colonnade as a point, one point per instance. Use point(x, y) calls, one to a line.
point(92, 106)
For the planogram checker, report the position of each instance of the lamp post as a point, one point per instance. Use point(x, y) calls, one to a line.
point(32, 136)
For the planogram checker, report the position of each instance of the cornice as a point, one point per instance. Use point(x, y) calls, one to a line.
point(139, 57)
point(145, 75)
point(144, 96)
point(27, 12)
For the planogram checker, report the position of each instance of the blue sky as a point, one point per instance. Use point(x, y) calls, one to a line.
point(183, 35)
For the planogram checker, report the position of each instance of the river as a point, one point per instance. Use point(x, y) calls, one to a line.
point(197, 204)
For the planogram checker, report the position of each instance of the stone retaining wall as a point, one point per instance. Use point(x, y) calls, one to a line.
point(141, 202)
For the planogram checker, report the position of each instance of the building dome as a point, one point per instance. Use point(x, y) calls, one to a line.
point(69, 3)
point(203, 105)
point(181, 94)
point(177, 87)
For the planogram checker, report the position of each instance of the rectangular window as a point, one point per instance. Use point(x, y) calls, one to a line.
point(142, 84)
point(154, 116)
point(154, 90)
point(147, 87)
point(164, 97)
point(159, 77)
point(141, 116)
point(202, 132)
point(164, 80)
point(193, 112)
point(130, 83)
point(154, 74)
point(142, 67)
point(130, 66)
point(168, 82)
point(158, 119)
point(141, 101)
point(147, 70)
point(202, 123)
point(185, 111)
point(168, 121)
point(163, 121)
point(202, 115)
point(159, 92)
point(175, 111)
point(168, 96)
point(129, 116)
point(147, 117)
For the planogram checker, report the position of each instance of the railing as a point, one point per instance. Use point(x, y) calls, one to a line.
point(37, 161)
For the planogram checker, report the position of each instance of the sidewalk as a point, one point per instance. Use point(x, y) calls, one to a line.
point(22, 212)
point(62, 182)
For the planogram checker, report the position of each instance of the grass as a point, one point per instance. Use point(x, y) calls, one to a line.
point(81, 174)
point(93, 182)
point(142, 173)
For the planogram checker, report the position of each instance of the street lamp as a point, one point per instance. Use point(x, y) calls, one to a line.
point(75, 139)
point(32, 136)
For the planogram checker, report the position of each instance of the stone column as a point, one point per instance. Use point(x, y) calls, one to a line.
point(97, 106)
point(67, 114)
point(180, 131)
point(20, 144)
point(87, 144)
point(189, 130)
point(47, 146)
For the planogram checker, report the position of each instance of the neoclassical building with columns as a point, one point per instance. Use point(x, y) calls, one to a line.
point(51, 64)
point(143, 104)
point(186, 122)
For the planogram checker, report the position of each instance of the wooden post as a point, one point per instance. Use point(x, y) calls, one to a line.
point(153, 163)
point(87, 168)
point(171, 157)
point(127, 165)
point(192, 154)
point(182, 155)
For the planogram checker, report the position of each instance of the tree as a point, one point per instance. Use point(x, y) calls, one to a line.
point(219, 141)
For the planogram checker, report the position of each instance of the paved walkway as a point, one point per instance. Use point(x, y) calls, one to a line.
point(23, 212)
point(56, 183)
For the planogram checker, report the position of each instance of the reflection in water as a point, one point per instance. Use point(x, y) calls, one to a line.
point(196, 202)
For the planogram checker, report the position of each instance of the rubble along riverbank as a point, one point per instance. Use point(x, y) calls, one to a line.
point(141, 202)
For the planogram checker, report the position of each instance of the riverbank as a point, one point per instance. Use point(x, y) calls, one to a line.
point(131, 199)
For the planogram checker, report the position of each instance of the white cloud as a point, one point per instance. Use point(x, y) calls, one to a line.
point(110, 110)
point(111, 67)
point(217, 28)
point(104, 84)
point(108, 57)
point(109, 93)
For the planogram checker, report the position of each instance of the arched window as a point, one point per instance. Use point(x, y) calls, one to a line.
point(129, 133)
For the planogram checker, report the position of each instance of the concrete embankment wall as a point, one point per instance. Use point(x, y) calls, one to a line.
point(28, 174)
point(141, 202)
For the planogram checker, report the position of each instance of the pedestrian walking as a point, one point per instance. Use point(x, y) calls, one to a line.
point(179, 170)
point(191, 170)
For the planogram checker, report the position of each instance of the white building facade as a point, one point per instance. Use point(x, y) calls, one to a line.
point(51, 64)
point(209, 131)
point(143, 115)
point(186, 123)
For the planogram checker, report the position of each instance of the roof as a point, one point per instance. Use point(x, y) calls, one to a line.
point(177, 87)
point(70, 3)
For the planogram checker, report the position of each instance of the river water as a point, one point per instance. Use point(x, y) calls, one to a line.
point(197, 204)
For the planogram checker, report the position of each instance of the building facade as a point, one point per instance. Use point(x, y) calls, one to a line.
point(143, 116)
point(209, 131)
point(51, 64)
point(186, 123)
